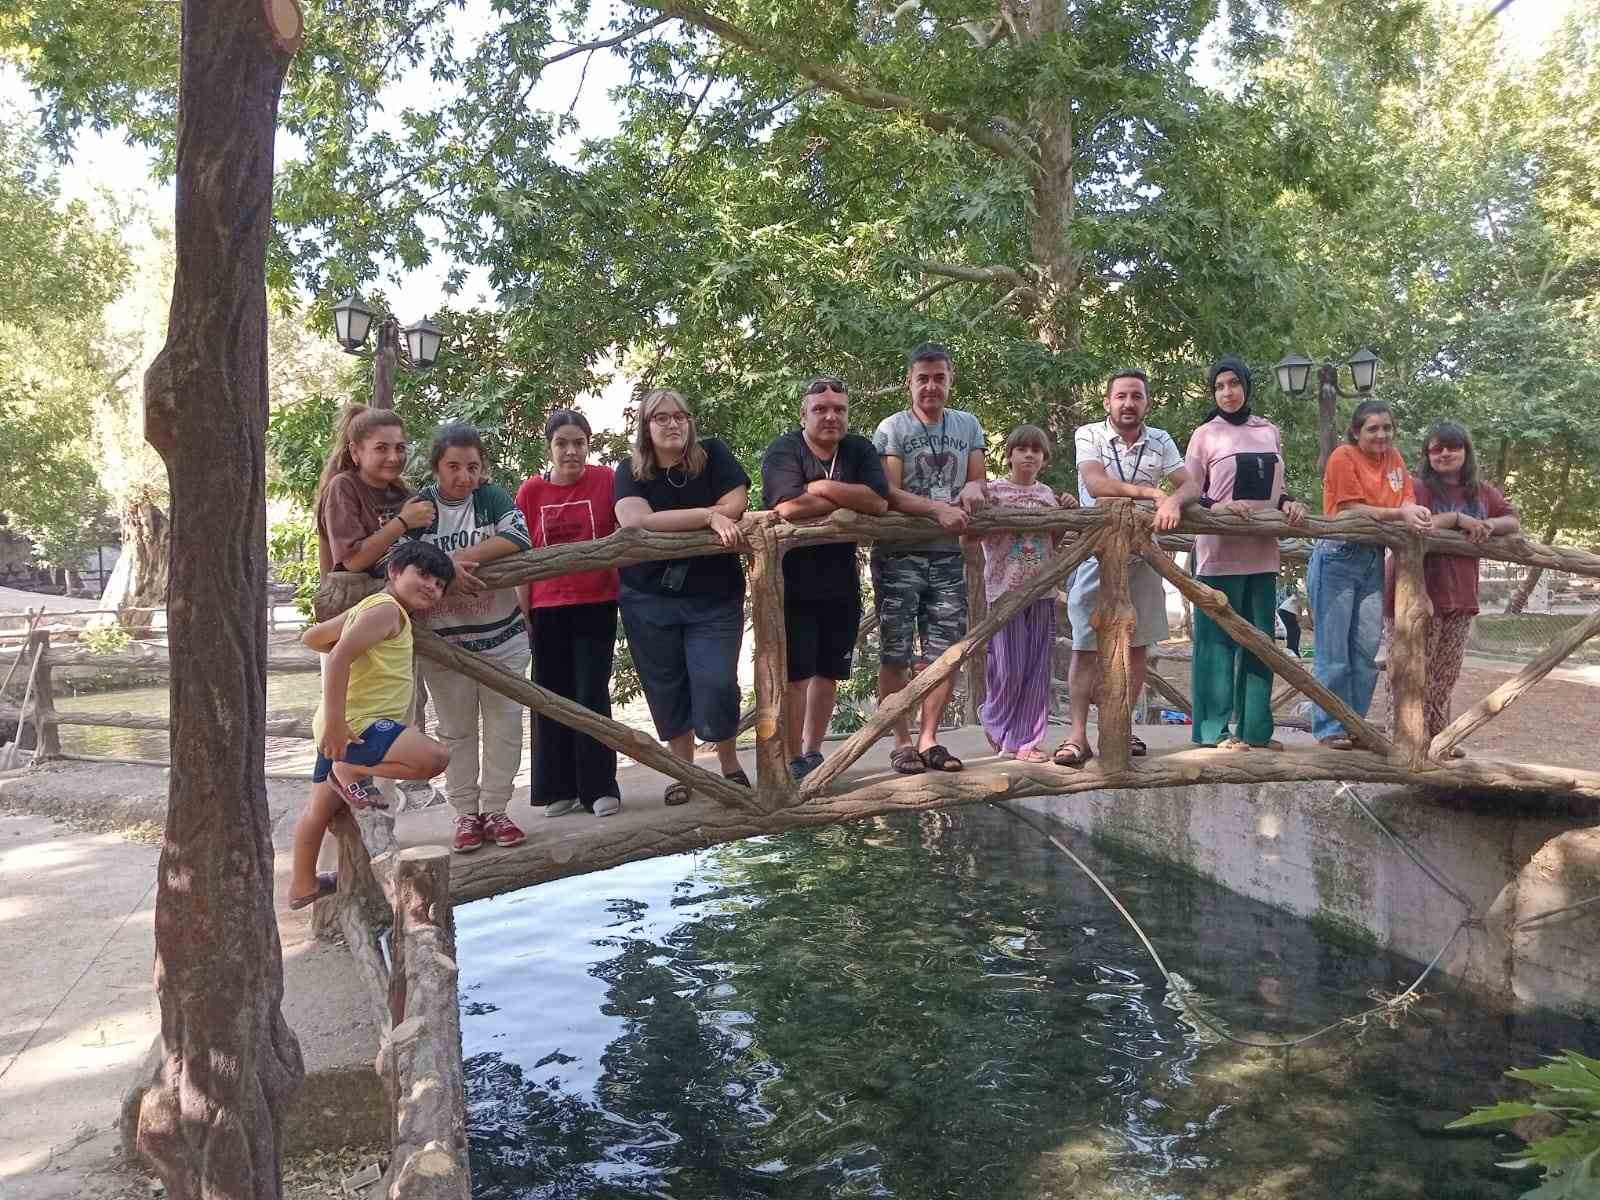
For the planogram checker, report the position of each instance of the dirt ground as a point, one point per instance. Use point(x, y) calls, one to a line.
point(1558, 722)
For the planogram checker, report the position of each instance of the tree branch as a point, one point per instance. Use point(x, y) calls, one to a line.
point(997, 139)
point(606, 43)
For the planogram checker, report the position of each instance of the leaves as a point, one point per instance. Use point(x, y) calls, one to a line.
point(1567, 1086)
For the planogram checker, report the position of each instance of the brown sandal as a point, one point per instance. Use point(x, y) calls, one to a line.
point(938, 758)
point(907, 761)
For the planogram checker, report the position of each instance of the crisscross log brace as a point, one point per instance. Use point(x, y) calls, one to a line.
point(1117, 532)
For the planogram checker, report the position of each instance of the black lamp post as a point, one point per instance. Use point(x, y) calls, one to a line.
point(1294, 372)
point(352, 321)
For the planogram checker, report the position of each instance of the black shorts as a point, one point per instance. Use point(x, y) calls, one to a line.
point(820, 633)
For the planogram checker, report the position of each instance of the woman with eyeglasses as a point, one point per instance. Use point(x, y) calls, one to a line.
point(1447, 485)
point(684, 617)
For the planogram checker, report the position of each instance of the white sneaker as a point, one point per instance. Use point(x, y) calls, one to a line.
point(605, 806)
point(559, 808)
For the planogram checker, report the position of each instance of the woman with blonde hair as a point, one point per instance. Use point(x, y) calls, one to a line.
point(685, 617)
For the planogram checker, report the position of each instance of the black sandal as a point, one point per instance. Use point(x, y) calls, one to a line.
point(1136, 747)
point(1071, 754)
point(937, 758)
point(676, 793)
point(327, 885)
point(737, 776)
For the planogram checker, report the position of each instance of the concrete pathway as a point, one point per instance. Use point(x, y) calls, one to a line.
point(78, 1011)
point(77, 1018)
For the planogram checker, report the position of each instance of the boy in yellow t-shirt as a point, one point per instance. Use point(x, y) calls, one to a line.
point(367, 687)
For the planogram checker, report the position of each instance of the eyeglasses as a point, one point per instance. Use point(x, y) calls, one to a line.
point(669, 418)
point(827, 384)
point(1432, 450)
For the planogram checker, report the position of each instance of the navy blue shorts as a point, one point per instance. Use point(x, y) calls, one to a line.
point(375, 742)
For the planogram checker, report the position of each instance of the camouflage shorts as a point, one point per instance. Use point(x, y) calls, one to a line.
point(919, 597)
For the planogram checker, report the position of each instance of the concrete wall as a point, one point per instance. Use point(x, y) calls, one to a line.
point(1308, 849)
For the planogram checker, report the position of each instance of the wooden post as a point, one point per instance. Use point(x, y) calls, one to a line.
point(774, 786)
point(977, 609)
point(1114, 621)
point(1408, 667)
point(46, 732)
point(420, 1057)
point(421, 898)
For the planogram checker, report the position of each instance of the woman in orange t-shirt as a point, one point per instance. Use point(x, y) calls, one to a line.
point(1365, 477)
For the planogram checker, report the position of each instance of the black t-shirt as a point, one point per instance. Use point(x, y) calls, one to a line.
point(708, 574)
point(786, 468)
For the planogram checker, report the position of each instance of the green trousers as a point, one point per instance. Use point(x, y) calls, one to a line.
point(1230, 683)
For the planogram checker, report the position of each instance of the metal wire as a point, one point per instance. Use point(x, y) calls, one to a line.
point(1179, 989)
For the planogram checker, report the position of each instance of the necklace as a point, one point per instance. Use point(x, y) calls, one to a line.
point(833, 463)
point(667, 475)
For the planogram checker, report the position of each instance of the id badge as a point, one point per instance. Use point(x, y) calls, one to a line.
point(942, 493)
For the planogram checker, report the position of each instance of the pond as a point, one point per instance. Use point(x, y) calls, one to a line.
point(944, 1006)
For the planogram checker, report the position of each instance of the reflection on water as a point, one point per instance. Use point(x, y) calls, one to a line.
point(943, 1007)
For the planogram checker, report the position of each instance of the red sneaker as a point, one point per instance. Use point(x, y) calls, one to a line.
point(469, 833)
point(502, 829)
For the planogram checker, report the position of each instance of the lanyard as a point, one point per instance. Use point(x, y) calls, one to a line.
point(1143, 446)
point(943, 440)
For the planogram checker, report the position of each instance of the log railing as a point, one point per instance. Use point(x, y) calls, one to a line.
point(1119, 533)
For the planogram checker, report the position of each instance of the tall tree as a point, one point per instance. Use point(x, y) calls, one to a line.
point(210, 1121)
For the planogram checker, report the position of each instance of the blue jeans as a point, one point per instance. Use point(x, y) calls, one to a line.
point(1345, 580)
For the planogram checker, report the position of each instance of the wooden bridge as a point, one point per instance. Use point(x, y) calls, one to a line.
point(410, 891)
point(1116, 532)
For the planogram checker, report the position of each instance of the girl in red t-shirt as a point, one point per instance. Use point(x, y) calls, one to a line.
point(574, 621)
point(1446, 483)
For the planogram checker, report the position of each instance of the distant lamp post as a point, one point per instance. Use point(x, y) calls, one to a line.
point(416, 347)
point(1294, 373)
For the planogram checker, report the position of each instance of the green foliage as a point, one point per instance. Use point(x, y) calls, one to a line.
point(292, 553)
point(1568, 1088)
point(105, 639)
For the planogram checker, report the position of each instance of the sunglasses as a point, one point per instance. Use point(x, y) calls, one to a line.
point(827, 384)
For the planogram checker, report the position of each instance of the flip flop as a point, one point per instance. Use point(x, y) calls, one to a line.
point(327, 885)
point(1071, 754)
point(907, 761)
point(738, 777)
point(1032, 755)
point(1339, 741)
point(1233, 743)
point(938, 758)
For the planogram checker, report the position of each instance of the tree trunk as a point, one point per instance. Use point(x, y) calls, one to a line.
point(1519, 598)
point(229, 1062)
point(139, 580)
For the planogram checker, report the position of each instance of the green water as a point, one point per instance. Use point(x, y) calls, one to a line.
point(295, 694)
point(943, 1007)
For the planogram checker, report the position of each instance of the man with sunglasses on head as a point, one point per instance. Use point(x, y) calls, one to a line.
point(807, 474)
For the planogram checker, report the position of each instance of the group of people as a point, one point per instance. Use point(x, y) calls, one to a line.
point(684, 617)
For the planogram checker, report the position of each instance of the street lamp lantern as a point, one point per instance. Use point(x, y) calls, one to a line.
point(1294, 372)
point(352, 320)
point(1363, 366)
point(423, 340)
